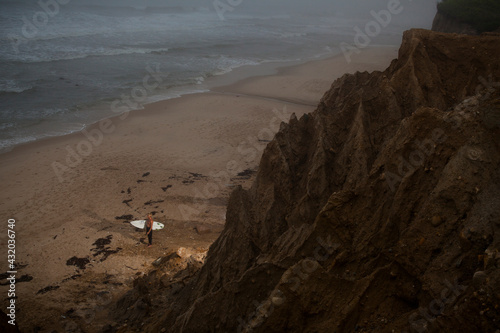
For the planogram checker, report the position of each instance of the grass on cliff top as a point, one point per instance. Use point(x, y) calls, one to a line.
point(483, 15)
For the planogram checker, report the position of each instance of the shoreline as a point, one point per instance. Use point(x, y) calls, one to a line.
point(179, 158)
point(226, 78)
point(219, 83)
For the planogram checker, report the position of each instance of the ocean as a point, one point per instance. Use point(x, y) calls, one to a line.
point(63, 70)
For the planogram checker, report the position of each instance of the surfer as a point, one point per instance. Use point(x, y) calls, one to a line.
point(149, 229)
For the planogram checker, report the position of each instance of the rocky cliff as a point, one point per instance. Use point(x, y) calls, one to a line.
point(378, 212)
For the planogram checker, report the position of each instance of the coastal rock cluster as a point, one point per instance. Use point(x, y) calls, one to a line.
point(378, 212)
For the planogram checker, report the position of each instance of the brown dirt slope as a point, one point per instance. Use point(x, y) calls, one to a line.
point(379, 212)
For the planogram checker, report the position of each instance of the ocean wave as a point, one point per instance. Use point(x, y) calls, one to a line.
point(225, 64)
point(13, 87)
point(7, 145)
point(291, 34)
point(31, 59)
point(14, 37)
point(6, 125)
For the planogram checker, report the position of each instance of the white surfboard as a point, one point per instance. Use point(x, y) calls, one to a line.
point(141, 224)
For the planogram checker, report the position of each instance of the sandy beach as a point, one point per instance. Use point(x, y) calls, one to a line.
point(73, 196)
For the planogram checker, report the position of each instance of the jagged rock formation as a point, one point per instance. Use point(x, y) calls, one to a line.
point(447, 24)
point(380, 211)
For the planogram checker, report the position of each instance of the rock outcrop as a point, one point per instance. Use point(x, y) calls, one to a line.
point(379, 211)
point(443, 23)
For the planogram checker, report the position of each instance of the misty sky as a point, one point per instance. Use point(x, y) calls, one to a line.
point(415, 14)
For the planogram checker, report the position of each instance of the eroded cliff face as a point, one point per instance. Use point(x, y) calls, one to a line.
point(380, 211)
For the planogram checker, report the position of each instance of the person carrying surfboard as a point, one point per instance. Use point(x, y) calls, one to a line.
point(149, 229)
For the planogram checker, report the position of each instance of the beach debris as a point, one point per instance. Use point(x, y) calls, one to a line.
point(126, 202)
point(109, 168)
point(128, 217)
point(101, 242)
point(246, 174)
point(107, 280)
point(47, 289)
point(146, 174)
point(102, 249)
point(192, 177)
point(23, 278)
point(72, 277)
point(166, 188)
point(19, 266)
point(197, 176)
point(151, 202)
point(78, 262)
